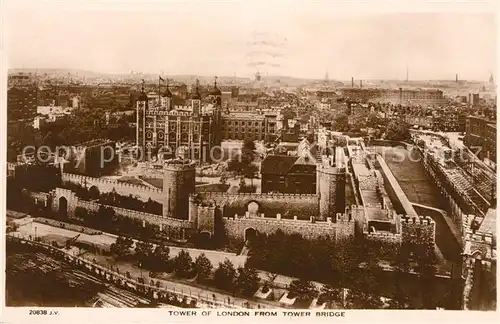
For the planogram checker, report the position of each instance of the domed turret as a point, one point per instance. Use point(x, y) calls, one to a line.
point(142, 96)
point(215, 91)
point(196, 95)
point(167, 93)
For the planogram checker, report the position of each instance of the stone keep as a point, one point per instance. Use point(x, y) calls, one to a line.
point(330, 186)
point(179, 180)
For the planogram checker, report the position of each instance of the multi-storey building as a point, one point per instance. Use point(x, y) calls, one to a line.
point(419, 120)
point(290, 173)
point(481, 132)
point(258, 126)
point(396, 96)
point(21, 103)
point(290, 131)
point(163, 127)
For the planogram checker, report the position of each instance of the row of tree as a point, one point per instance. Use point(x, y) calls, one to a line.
point(353, 265)
point(80, 127)
point(157, 258)
point(243, 163)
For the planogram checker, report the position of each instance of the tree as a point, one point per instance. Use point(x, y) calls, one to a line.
point(224, 274)
point(400, 300)
point(104, 216)
point(341, 123)
point(161, 256)
point(358, 299)
point(122, 246)
point(81, 212)
point(265, 287)
point(223, 179)
point(203, 267)
point(183, 264)
point(427, 270)
point(302, 289)
point(242, 163)
point(397, 130)
point(248, 149)
point(144, 252)
point(250, 171)
point(330, 294)
point(247, 281)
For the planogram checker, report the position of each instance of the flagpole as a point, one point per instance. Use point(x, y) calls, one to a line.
point(159, 90)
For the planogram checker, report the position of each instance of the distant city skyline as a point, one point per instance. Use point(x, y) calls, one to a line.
point(216, 39)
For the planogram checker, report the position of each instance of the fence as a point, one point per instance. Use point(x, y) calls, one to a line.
point(157, 293)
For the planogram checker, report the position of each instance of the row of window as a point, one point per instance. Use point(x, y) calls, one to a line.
point(247, 130)
point(243, 123)
point(243, 129)
point(173, 136)
point(173, 127)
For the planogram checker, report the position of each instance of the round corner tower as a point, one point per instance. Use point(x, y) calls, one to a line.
point(330, 184)
point(179, 179)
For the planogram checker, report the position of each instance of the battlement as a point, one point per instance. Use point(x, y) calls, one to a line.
point(100, 183)
point(341, 219)
point(152, 218)
point(420, 220)
point(205, 208)
point(179, 165)
point(211, 194)
point(178, 111)
point(479, 237)
point(384, 237)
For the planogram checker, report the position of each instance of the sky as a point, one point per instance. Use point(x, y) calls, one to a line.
point(225, 38)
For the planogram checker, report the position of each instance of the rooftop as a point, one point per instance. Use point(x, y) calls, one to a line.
point(278, 164)
point(489, 224)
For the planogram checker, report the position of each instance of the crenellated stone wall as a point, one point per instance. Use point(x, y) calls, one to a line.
point(419, 231)
point(146, 217)
point(302, 206)
point(342, 229)
point(122, 188)
point(480, 247)
point(384, 237)
point(73, 202)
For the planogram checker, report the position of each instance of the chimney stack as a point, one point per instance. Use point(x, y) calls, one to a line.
point(400, 95)
point(456, 77)
point(361, 84)
point(352, 82)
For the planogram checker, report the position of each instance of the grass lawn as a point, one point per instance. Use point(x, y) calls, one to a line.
point(413, 179)
point(131, 180)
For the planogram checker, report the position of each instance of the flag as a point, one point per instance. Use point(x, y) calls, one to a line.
point(161, 79)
